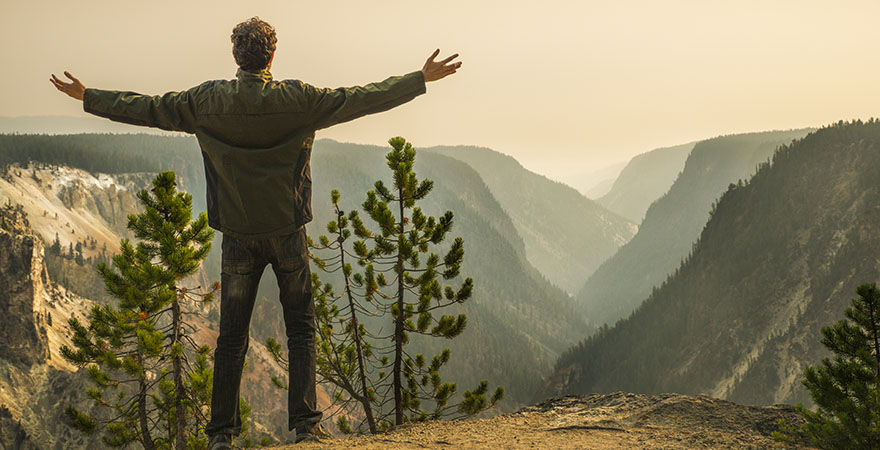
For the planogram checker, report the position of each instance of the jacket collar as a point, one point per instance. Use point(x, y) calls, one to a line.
point(243, 75)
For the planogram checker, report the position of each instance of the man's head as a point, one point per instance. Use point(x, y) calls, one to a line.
point(253, 44)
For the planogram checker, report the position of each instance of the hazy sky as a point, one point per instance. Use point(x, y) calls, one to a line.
point(563, 86)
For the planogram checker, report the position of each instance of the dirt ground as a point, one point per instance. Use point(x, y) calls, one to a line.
point(609, 421)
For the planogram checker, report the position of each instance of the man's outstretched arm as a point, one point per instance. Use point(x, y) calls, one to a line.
point(333, 106)
point(172, 111)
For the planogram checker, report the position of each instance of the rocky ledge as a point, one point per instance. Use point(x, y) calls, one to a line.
point(598, 421)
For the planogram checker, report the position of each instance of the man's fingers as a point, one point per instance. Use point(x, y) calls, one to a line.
point(71, 76)
point(59, 83)
point(452, 67)
point(434, 55)
point(449, 59)
point(62, 86)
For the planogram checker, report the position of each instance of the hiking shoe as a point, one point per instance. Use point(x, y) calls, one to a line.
point(314, 434)
point(220, 442)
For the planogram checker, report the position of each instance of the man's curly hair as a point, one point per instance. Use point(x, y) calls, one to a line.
point(253, 42)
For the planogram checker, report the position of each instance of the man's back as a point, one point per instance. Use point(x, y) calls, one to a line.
point(256, 136)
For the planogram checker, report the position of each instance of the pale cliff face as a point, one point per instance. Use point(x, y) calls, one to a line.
point(22, 278)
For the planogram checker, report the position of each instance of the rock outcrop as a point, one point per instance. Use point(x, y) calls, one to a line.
point(22, 277)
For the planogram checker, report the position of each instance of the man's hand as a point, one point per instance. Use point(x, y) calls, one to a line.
point(75, 89)
point(436, 70)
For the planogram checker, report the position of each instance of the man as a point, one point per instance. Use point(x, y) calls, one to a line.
point(256, 137)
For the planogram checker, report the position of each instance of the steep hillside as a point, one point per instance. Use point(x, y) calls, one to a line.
point(673, 223)
point(644, 179)
point(780, 257)
point(566, 235)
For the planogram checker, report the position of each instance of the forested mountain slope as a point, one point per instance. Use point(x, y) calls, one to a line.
point(644, 179)
point(780, 257)
point(673, 223)
point(566, 235)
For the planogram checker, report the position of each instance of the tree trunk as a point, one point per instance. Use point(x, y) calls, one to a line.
point(179, 388)
point(146, 437)
point(398, 324)
point(365, 399)
point(872, 301)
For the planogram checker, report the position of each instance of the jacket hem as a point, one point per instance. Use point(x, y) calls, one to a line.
point(287, 229)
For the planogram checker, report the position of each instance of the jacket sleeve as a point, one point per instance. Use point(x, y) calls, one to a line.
point(329, 107)
point(174, 111)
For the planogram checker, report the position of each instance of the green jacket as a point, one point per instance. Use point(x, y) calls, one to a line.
point(256, 138)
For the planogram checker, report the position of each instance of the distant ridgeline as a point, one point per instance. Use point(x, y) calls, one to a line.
point(105, 153)
point(780, 257)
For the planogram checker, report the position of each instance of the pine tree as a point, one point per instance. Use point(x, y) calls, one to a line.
point(55, 248)
point(382, 379)
point(78, 258)
point(139, 351)
point(846, 389)
point(404, 239)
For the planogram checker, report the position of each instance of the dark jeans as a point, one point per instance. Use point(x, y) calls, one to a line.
point(243, 264)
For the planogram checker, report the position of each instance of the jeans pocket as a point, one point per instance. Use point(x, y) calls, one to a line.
point(291, 250)
point(237, 257)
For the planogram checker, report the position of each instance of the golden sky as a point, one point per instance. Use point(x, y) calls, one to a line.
point(563, 86)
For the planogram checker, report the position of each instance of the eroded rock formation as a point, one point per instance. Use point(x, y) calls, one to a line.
point(22, 278)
